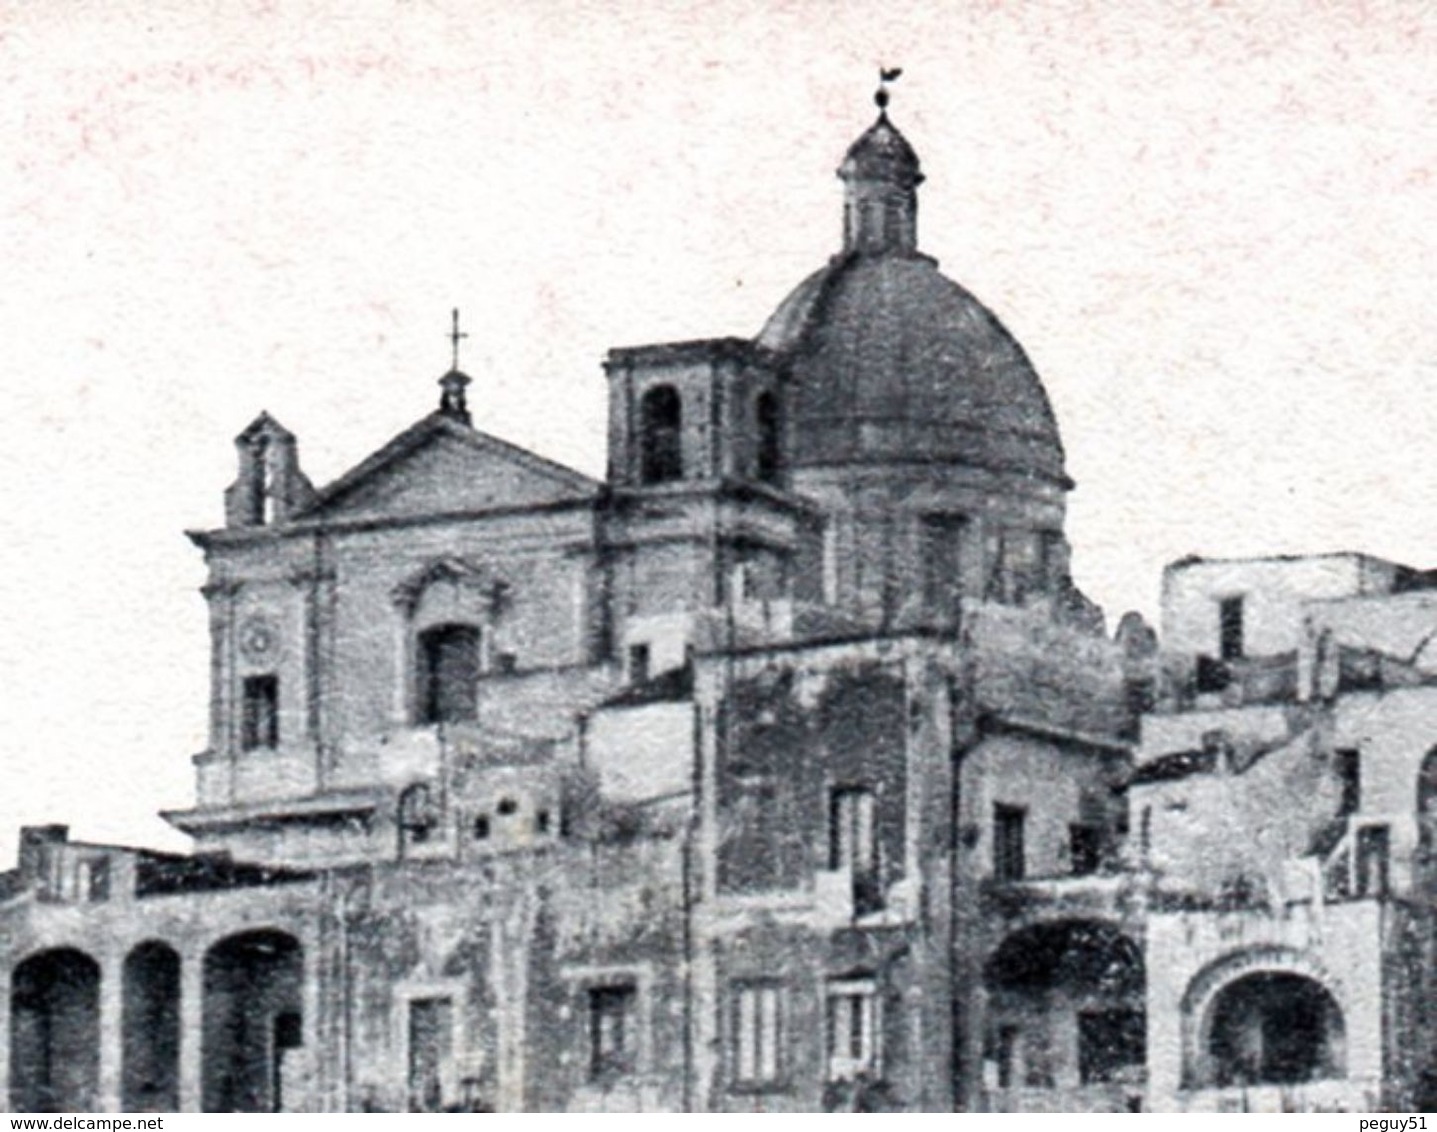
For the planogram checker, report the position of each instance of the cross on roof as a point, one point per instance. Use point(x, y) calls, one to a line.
point(455, 336)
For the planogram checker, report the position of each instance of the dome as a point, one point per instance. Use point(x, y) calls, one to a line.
point(894, 363)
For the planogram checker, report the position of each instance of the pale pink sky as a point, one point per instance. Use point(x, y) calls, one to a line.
point(1211, 226)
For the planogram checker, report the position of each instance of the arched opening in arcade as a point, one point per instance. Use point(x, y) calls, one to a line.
point(55, 1033)
point(253, 1022)
point(1065, 1008)
point(150, 1060)
point(1274, 1028)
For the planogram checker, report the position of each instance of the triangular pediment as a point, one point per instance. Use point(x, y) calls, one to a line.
point(441, 467)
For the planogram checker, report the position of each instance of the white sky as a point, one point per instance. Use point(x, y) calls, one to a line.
point(1211, 226)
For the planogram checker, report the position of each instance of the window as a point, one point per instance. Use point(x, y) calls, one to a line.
point(1023, 566)
point(1348, 767)
point(430, 1047)
point(612, 1040)
point(481, 827)
point(853, 1029)
point(757, 1033)
point(1213, 675)
point(661, 436)
point(1050, 559)
point(92, 879)
point(638, 663)
point(852, 845)
point(541, 821)
point(765, 411)
point(943, 538)
point(449, 676)
point(1230, 628)
point(1374, 846)
point(418, 815)
point(259, 715)
point(1008, 862)
point(507, 807)
point(1085, 848)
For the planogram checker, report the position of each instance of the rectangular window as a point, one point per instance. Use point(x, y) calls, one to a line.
point(1374, 846)
point(1008, 859)
point(259, 714)
point(638, 663)
point(853, 1029)
point(1230, 627)
point(612, 1040)
point(92, 879)
point(1085, 848)
point(853, 845)
point(1348, 766)
point(850, 829)
point(451, 659)
point(943, 538)
point(430, 1049)
point(757, 1033)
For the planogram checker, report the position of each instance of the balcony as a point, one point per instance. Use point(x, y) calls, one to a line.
point(1310, 1096)
point(1108, 1097)
point(1236, 682)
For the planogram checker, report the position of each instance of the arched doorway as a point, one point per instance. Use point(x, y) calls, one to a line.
point(55, 1033)
point(150, 1063)
point(253, 1028)
point(1065, 1008)
point(1274, 1028)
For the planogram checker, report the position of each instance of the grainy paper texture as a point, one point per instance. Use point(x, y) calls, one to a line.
point(747, 678)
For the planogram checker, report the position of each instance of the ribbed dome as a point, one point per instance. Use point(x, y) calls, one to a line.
point(895, 363)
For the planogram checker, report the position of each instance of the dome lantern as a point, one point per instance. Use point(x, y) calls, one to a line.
point(881, 178)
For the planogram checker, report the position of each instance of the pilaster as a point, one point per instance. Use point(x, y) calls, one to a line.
point(112, 1032)
point(191, 1032)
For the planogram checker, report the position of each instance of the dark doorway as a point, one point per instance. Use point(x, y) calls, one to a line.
point(1275, 1029)
point(55, 1033)
point(449, 676)
point(150, 1072)
point(430, 1041)
point(253, 986)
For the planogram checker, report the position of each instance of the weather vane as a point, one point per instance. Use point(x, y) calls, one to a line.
point(886, 75)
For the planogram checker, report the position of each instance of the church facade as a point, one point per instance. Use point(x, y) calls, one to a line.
point(783, 769)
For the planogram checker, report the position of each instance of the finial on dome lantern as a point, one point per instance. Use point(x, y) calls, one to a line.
point(886, 75)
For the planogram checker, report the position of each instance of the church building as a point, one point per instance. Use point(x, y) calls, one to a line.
point(783, 769)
